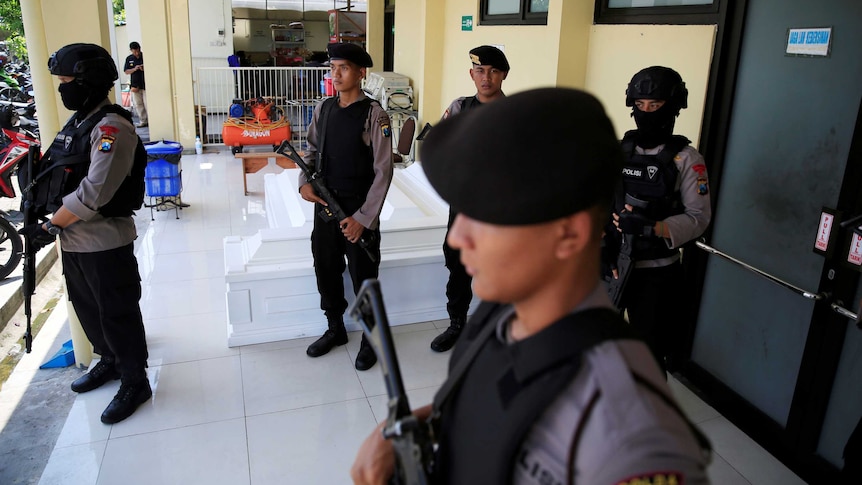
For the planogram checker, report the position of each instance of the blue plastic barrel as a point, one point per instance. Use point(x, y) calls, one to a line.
point(162, 175)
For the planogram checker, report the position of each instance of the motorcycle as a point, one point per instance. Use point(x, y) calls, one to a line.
point(14, 146)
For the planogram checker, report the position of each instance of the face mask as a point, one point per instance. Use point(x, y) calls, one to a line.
point(656, 127)
point(74, 95)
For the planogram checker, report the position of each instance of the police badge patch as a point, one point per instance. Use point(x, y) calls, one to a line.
point(106, 144)
point(384, 127)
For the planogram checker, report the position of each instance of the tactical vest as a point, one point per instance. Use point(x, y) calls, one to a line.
point(67, 161)
point(470, 103)
point(652, 178)
point(495, 404)
point(348, 165)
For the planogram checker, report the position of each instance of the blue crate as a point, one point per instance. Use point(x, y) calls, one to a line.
point(164, 186)
point(162, 179)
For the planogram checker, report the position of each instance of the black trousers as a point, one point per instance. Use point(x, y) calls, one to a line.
point(329, 247)
point(652, 299)
point(459, 293)
point(105, 290)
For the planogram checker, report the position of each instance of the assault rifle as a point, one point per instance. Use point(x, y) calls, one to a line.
point(331, 211)
point(28, 283)
point(411, 438)
point(617, 285)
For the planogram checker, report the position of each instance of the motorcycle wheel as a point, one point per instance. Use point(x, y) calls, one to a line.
point(11, 248)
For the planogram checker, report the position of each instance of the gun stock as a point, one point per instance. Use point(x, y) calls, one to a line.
point(410, 437)
point(332, 210)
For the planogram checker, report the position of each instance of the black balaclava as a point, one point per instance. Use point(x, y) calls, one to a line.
point(656, 127)
point(80, 97)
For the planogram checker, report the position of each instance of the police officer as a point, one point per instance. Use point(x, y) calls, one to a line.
point(489, 69)
point(349, 142)
point(92, 181)
point(668, 206)
point(547, 385)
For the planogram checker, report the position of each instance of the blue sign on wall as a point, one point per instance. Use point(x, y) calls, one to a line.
point(809, 42)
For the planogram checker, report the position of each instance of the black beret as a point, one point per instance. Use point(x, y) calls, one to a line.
point(349, 52)
point(488, 55)
point(529, 158)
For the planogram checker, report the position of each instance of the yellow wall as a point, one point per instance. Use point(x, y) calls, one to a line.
point(570, 51)
point(167, 50)
point(617, 52)
point(49, 26)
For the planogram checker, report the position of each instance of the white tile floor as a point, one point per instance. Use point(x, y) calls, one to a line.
point(265, 414)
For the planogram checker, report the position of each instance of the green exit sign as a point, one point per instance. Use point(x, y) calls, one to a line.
point(467, 22)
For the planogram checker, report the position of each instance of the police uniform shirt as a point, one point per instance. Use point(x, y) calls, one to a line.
point(693, 186)
point(112, 154)
point(631, 435)
point(376, 134)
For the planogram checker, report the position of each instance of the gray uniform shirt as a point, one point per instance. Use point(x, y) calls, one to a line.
point(112, 155)
point(377, 135)
point(631, 433)
point(693, 186)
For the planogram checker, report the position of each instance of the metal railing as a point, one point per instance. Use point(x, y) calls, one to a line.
point(293, 90)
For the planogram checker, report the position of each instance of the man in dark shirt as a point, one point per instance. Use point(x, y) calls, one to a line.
point(134, 67)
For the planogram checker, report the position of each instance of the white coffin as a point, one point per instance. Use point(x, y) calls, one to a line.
point(271, 289)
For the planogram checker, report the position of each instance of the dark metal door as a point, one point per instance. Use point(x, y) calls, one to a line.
point(792, 128)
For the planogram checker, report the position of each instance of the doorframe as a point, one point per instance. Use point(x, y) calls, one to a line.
point(796, 444)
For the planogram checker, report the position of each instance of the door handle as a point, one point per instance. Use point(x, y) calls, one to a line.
point(802, 292)
point(844, 312)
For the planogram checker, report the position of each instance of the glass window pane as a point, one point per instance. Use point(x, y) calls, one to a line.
point(498, 7)
point(655, 3)
point(539, 5)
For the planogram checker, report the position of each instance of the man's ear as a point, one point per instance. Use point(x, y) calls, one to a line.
point(575, 234)
point(505, 75)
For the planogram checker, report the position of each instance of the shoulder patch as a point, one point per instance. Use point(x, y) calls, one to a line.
point(383, 121)
point(702, 186)
point(107, 143)
point(657, 478)
point(109, 130)
point(699, 168)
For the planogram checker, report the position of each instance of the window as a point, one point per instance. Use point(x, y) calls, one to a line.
point(657, 11)
point(514, 12)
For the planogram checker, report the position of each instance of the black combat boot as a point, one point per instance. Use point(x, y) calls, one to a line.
point(447, 339)
point(366, 358)
point(131, 395)
point(102, 372)
point(334, 335)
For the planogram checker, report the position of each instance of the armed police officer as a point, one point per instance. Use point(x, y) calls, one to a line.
point(489, 69)
point(547, 385)
point(88, 185)
point(349, 143)
point(664, 204)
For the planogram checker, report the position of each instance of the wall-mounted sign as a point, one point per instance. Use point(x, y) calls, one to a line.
point(467, 22)
point(826, 239)
point(854, 256)
point(815, 42)
point(824, 230)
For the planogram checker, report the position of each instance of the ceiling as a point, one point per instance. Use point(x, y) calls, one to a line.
point(301, 5)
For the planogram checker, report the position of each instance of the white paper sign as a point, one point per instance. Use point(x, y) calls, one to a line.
point(809, 42)
point(823, 231)
point(855, 255)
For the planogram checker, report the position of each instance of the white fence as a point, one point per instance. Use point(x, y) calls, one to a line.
point(293, 90)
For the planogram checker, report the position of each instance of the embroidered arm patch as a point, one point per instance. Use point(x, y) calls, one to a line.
point(106, 144)
point(384, 126)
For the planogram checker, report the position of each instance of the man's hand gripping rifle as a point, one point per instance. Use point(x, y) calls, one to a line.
point(617, 283)
point(331, 211)
point(411, 438)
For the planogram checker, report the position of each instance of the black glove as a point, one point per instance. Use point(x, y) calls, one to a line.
point(39, 238)
point(633, 223)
